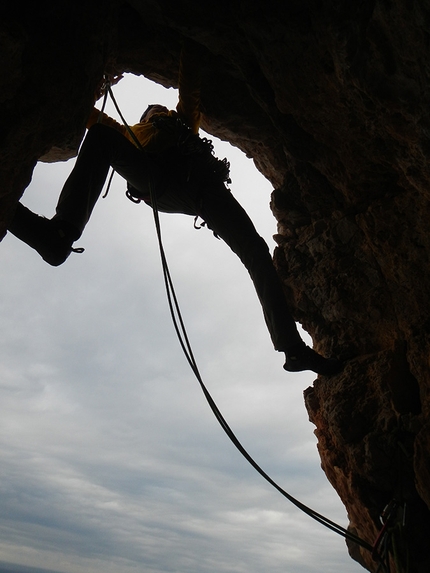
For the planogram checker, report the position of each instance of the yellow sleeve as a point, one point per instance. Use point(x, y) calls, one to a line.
point(105, 119)
point(143, 131)
point(188, 107)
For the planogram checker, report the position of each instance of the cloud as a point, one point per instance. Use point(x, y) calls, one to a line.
point(111, 457)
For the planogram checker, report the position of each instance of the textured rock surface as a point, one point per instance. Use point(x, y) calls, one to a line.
point(331, 99)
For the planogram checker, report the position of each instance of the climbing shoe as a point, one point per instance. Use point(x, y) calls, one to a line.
point(305, 358)
point(51, 238)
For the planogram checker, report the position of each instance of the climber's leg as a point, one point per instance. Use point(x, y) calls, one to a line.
point(103, 147)
point(227, 218)
point(223, 214)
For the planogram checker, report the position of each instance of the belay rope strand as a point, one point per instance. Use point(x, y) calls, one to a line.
point(186, 347)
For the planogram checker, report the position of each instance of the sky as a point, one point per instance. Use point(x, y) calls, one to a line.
point(110, 457)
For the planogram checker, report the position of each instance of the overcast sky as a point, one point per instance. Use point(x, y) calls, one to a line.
point(111, 460)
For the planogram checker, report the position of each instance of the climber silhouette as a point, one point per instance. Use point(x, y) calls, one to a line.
point(185, 178)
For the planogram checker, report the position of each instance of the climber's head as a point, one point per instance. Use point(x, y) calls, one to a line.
point(153, 109)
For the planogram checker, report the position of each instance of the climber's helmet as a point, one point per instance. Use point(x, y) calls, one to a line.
point(152, 110)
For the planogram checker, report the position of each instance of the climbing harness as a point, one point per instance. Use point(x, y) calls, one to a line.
point(182, 335)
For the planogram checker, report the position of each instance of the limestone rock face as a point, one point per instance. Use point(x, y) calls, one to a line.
point(331, 99)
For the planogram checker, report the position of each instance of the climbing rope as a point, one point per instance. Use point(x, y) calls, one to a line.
point(186, 347)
